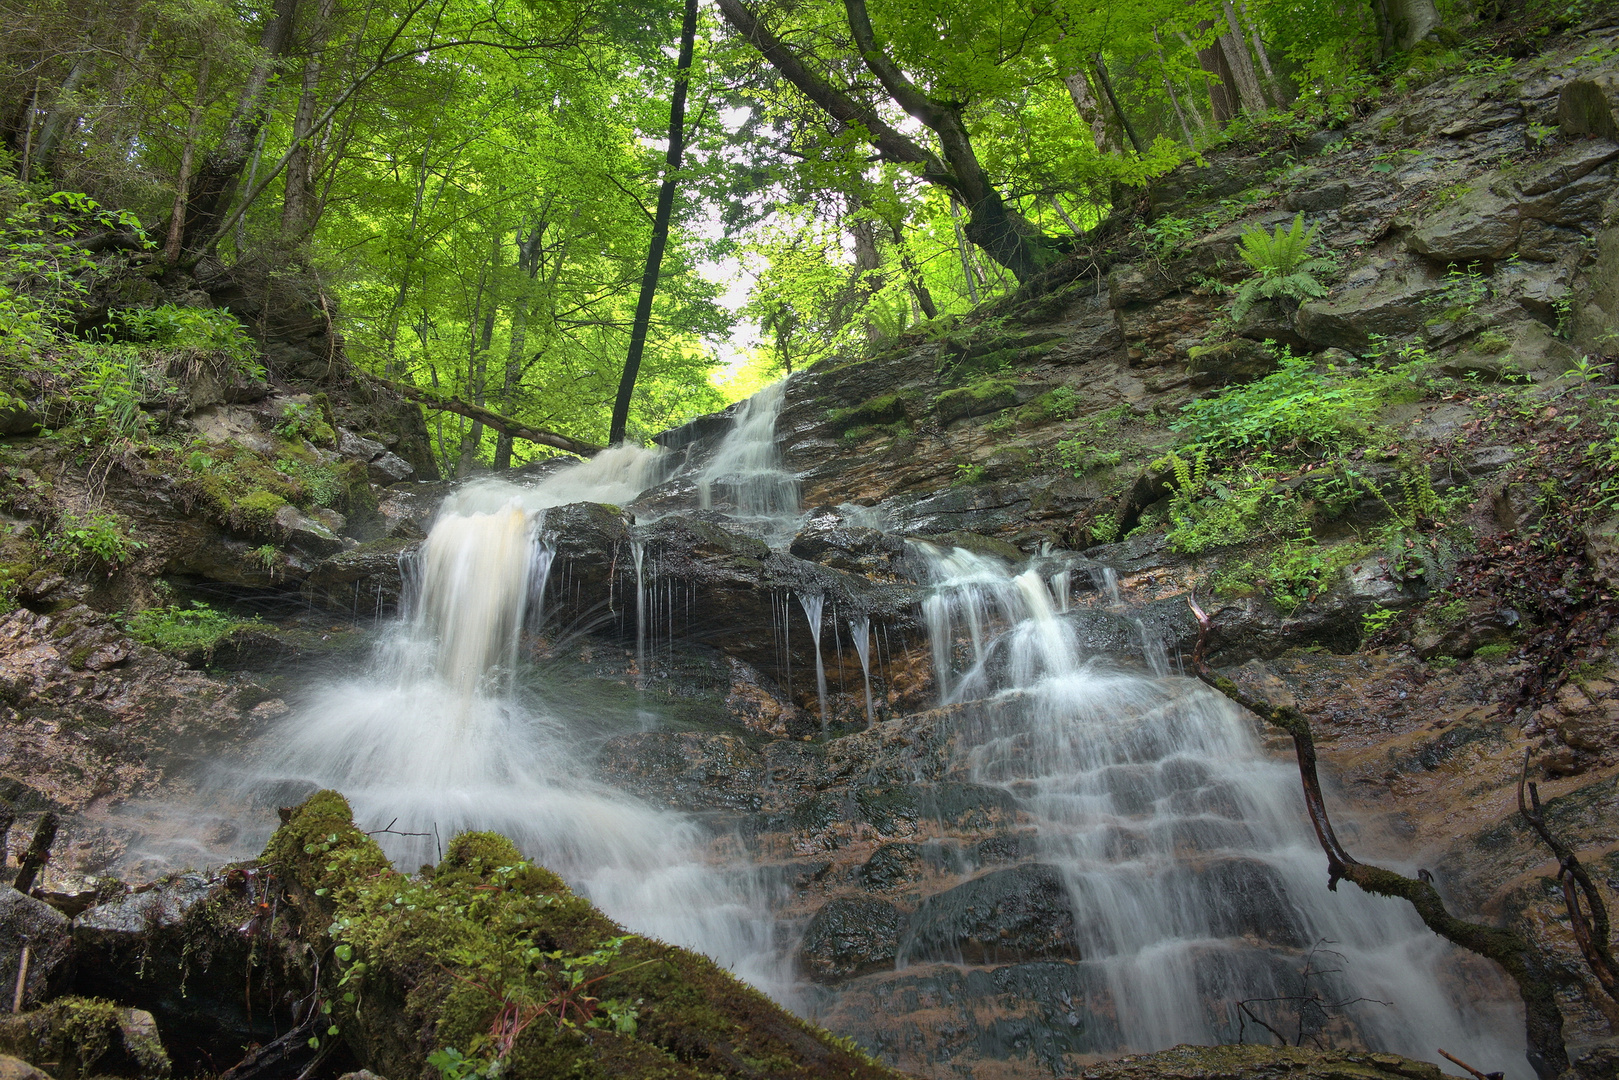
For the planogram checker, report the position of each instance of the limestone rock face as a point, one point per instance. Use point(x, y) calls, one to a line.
point(1005, 916)
point(850, 936)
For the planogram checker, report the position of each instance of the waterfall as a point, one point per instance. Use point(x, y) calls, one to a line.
point(1194, 880)
point(860, 630)
point(813, 605)
point(746, 469)
point(638, 551)
point(438, 736)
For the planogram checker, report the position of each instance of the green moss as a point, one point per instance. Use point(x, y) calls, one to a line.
point(256, 510)
point(985, 396)
point(488, 931)
point(883, 409)
point(72, 1035)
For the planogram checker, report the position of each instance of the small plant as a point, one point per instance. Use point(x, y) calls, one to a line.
point(967, 475)
point(180, 629)
point(1377, 620)
point(1079, 456)
point(1283, 266)
point(192, 334)
point(303, 420)
point(97, 537)
point(1464, 289)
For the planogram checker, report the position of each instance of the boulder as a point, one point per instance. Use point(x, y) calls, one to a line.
point(1392, 300)
point(365, 580)
point(85, 1037)
point(1238, 360)
point(850, 936)
point(389, 468)
point(354, 446)
point(1589, 105)
point(29, 923)
point(305, 532)
point(1487, 221)
point(12, 1068)
point(1022, 913)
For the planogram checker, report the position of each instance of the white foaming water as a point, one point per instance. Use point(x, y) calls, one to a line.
point(434, 739)
point(1194, 879)
point(746, 469)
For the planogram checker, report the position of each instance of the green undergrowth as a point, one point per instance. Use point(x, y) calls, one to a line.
point(75, 1035)
point(514, 974)
point(182, 629)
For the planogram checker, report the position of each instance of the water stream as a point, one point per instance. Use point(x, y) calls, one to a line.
point(1194, 879)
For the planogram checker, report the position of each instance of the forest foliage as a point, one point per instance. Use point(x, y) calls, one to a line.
point(470, 184)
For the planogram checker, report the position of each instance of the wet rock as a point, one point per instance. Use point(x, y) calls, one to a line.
point(687, 770)
point(12, 1068)
point(305, 532)
point(1460, 633)
point(361, 449)
point(1261, 1063)
point(163, 907)
point(406, 510)
point(1393, 302)
point(891, 866)
point(1005, 916)
point(27, 922)
point(81, 1038)
point(1486, 221)
point(850, 936)
point(389, 468)
point(367, 580)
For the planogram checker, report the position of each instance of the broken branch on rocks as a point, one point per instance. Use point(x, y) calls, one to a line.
point(1592, 935)
point(38, 853)
point(1514, 953)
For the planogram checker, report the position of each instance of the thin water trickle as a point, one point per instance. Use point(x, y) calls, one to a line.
point(813, 605)
point(860, 630)
point(1194, 879)
point(746, 472)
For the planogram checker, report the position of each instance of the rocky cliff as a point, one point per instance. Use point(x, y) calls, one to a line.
point(1399, 520)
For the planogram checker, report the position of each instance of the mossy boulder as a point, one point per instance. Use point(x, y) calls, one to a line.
point(76, 1037)
point(1261, 1063)
point(433, 962)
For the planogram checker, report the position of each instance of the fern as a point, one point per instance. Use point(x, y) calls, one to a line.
point(1283, 265)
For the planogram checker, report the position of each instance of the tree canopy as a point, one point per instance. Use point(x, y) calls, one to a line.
point(474, 185)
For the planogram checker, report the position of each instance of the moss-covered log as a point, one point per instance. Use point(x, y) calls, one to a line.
point(495, 958)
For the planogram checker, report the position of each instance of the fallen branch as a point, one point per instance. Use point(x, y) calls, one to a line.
point(38, 854)
point(504, 425)
point(1481, 1075)
point(1509, 949)
point(1591, 935)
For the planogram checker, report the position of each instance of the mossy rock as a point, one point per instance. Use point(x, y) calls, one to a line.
point(74, 1037)
point(985, 396)
point(444, 954)
point(256, 511)
point(883, 409)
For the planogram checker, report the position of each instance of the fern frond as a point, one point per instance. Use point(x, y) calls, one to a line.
point(1280, 252)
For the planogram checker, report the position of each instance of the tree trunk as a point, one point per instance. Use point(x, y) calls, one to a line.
point(56, 121)
point(1113, 99)
point(1003, 234)
point(1276, 94)
point(215, 182)
point(913, 273)
point(866, 280)
point(1224, 101)
point(529, 253)
point(298, 210)
point(961, 249)
point(660, 227)
point(478, 340)
point(171, 249)
point(1090, 111)
point(1401, 24)
point(1242, 64)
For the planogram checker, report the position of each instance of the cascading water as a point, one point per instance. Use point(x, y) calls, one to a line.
point(746, 472)
point(438, 736)
point(1194, 881)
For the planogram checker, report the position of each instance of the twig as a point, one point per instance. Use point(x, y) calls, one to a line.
point(22, 980)
point(38, 853)
point(391, 831)
point(1516, 955)
point(1481, 1075)
point(1592, 936)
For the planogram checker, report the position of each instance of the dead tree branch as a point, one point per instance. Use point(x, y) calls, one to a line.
point(38, 854)
point(1509, 949)
point(1592, 934)
point(504, 425)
